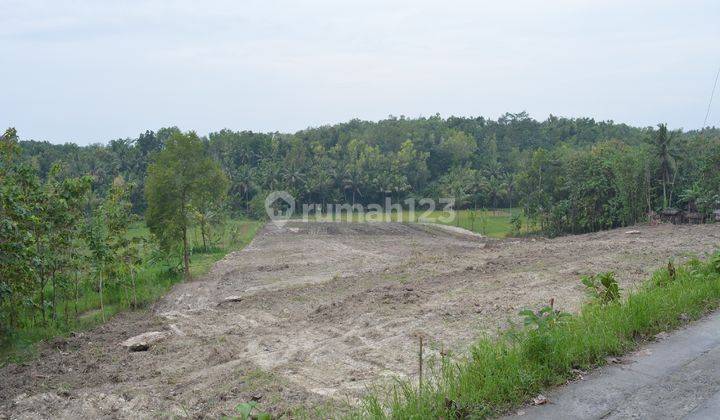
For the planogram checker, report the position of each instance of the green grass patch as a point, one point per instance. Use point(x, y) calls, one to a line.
point(494, 223)
point(499, 374)
point(153, 280)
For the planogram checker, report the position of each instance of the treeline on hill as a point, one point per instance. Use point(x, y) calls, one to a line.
point(568, 175)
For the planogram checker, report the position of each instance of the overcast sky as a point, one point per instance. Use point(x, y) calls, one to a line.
point(91, 71)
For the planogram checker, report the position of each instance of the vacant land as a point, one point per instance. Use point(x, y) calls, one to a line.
point(319, 312)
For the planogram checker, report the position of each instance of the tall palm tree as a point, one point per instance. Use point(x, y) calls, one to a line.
point(510, 181)
point(353, 180)
point(495, 189)
point(242, 183)
point(662, 143)
point(294, 178)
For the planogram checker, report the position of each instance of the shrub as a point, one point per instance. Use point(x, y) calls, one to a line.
point(249, 410)
point(602, 288)
point(516, 223)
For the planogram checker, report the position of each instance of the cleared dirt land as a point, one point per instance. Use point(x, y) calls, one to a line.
point(319, 312)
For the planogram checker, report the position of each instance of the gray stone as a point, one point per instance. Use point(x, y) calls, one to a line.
point(144, 341)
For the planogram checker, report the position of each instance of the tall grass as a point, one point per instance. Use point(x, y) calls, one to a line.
point(499, 374)
point(153, 279)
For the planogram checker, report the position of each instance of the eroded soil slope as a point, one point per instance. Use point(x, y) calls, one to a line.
point(318, 312)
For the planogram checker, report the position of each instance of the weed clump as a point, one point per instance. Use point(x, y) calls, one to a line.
point(248, 411)
point(602, 288)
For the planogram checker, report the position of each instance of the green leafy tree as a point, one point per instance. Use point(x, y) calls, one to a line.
point(355, 176)
point(62, 214)
point(413, 164)
point(458, 184)
point(18, 184)
point(183, 177)
point(39, 234)
point(458, 147)
point(209, 212)
point(100, 256)
point(106, 235)
point(322, 174)
point(662, 143)
point(117, 213)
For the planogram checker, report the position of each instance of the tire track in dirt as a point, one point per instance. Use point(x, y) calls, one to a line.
point(325, 310)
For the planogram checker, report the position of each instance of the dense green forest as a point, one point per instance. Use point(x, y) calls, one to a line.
point(569, 175)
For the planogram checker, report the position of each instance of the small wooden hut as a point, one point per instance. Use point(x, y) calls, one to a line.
point(671, 215)
point(693, 217)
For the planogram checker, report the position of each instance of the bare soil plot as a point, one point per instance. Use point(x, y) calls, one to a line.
point(320, 311)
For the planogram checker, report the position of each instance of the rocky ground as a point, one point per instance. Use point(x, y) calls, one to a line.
point(315, 313)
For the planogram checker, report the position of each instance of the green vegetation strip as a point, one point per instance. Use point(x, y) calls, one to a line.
point(499, 374)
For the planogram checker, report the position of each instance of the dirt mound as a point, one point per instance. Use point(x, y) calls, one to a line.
point(318, 311)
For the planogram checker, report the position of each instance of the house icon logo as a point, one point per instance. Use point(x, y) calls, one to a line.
point(279, 206)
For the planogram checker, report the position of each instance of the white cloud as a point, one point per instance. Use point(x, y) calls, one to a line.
point(94, 70)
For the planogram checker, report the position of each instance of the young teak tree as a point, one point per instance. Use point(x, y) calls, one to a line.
point(96, 234)
point(61, 215)
point(106, 237)
point(182, 178)
point(17, 185)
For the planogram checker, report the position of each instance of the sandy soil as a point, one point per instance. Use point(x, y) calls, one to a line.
point(325, 310)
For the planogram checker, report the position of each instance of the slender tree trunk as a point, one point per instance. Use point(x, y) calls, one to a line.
point(54, 296)
point(16, 313)
point(42, 297)
point(472, 222)
point(672, 186)
point(102, 306)
point(77, 293)
point(41, 277)
point(202, 232)
point(186, 255)
point(457, 212)
point(11, 313)
point(132, 278)
point(65, 308)
point(127, 296)
point(664, 182)
point(647, 190)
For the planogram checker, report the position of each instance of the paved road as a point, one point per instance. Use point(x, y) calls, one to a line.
point(677, 377)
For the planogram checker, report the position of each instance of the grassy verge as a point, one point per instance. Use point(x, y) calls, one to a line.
point(499, 374)
point(154, 278)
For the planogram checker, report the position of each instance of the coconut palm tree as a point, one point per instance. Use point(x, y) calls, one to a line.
point(662, 143)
